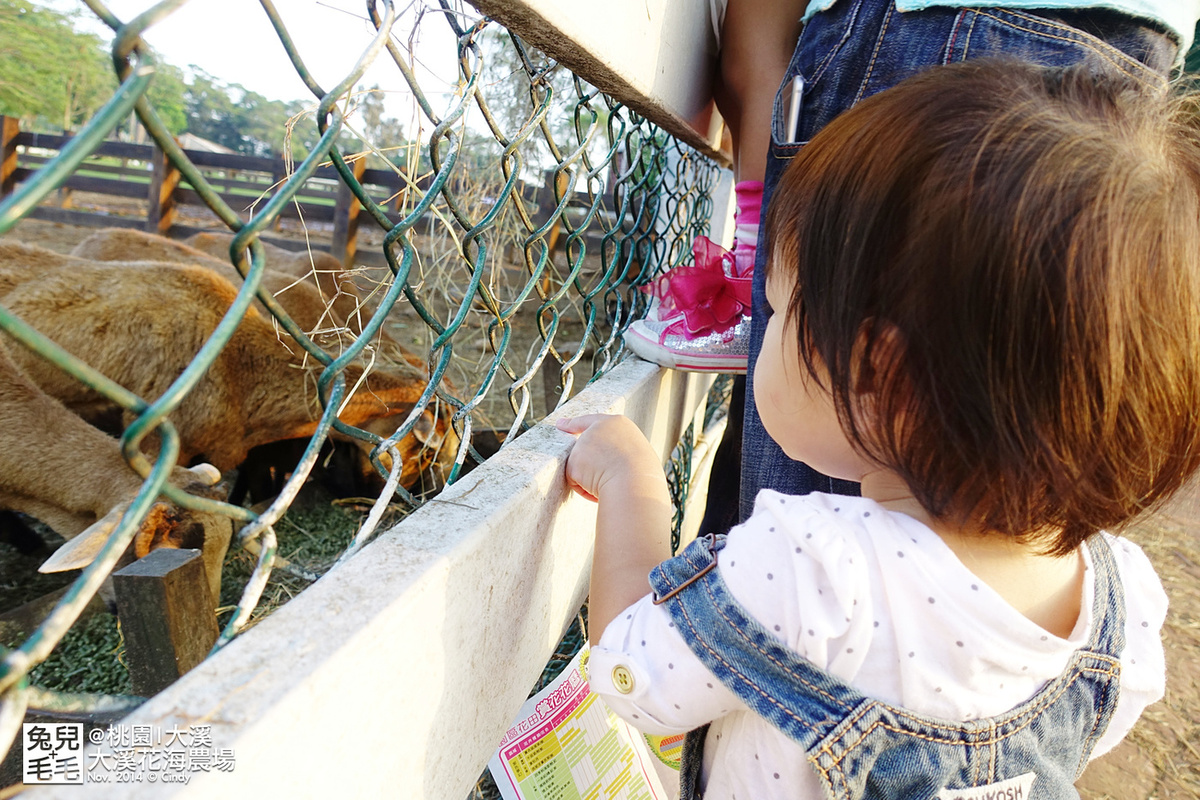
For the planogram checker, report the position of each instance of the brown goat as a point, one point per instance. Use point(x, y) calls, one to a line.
point(331, 301)
point(327, 311)
point(85, 493)
point(335, 285)
point(141, 322)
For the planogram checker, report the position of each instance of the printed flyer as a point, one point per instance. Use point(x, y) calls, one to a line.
point(567, 745)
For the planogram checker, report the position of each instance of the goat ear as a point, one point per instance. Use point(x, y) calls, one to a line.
point(82, 550)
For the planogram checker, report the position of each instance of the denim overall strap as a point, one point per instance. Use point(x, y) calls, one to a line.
point(1108, 605)
point(1040, 747)
point(861, 748)
point(747, 658)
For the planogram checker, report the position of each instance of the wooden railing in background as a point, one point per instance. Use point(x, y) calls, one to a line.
point(242, 181)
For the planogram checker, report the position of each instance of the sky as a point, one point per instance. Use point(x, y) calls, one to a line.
point(233, 40)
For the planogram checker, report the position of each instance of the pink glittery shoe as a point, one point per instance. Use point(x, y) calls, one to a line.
point(725, 352)
point(699, 319)
point(699, 316)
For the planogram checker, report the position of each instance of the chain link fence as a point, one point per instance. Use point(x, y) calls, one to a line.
point(536, 207)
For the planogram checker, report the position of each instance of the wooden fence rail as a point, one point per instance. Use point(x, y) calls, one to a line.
point(240, 180)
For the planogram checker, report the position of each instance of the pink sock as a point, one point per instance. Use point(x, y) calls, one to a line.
point(746, 219)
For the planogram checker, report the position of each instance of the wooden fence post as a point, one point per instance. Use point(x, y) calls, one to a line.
point(553, 187)
point(161, 213)
point(345, 218)
point(167, 617)
point(10, 127)
point(278, 177)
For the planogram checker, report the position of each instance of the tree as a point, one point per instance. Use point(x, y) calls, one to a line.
point(166, 96)
point(384, 133)
point(51, 76)
point(244, 121)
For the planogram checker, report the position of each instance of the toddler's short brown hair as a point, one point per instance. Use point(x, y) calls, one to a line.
point(1007, 255)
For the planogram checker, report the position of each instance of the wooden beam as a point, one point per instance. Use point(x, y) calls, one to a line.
point(167, 617)
point(55, 141)
point(345, 218)
point(10, 129)
point(108, 186)
point(649, 54)
point(161, 213)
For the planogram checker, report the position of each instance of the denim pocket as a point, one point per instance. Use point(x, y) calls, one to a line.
point(984, 32)
point(821, 41)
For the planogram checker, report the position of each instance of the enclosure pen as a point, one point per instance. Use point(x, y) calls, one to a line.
point(532, 208)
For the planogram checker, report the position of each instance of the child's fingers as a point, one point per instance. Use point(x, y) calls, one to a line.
point(575, 425)
point(579, 490)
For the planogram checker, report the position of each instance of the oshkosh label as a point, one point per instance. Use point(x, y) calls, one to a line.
point(1012, 789)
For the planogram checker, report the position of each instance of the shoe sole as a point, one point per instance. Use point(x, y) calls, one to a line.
point(656, 353)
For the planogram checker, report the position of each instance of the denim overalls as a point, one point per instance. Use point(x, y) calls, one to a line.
point(860, 47)
point(862, 748)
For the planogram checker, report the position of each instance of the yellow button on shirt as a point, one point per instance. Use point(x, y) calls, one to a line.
point(622, 679)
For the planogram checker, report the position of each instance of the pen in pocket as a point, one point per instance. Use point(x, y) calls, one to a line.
point(792, 103)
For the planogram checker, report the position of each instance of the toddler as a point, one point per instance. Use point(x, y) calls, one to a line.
point(983, 286)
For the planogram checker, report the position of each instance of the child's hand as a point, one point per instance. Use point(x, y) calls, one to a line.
point(611, 454)
point(612, 462)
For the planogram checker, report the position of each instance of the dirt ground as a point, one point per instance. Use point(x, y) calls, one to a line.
point(1160, 760)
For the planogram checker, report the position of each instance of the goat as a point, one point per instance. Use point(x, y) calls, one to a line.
point(140, 323)
point(329, 302)
point(328, 310)
point(331, 279)
point(83, 495)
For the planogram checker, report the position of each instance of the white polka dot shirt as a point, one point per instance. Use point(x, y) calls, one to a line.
point(877, 599)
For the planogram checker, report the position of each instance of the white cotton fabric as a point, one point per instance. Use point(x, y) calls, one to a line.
point(879, 600)
point(716, 21)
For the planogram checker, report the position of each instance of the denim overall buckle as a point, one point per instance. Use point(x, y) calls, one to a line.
point(712, 549)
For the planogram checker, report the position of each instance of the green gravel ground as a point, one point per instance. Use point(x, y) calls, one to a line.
point(90, 658)
point(312, 535)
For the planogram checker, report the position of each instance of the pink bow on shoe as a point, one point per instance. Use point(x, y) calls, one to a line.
point(708, 299)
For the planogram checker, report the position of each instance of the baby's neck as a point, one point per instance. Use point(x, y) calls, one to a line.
point(1047, 590)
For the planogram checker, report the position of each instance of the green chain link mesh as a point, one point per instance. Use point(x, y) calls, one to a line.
point(629, 200)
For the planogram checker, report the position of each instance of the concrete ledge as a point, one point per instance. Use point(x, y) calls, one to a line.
point(649, 54)
point(396, 674)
